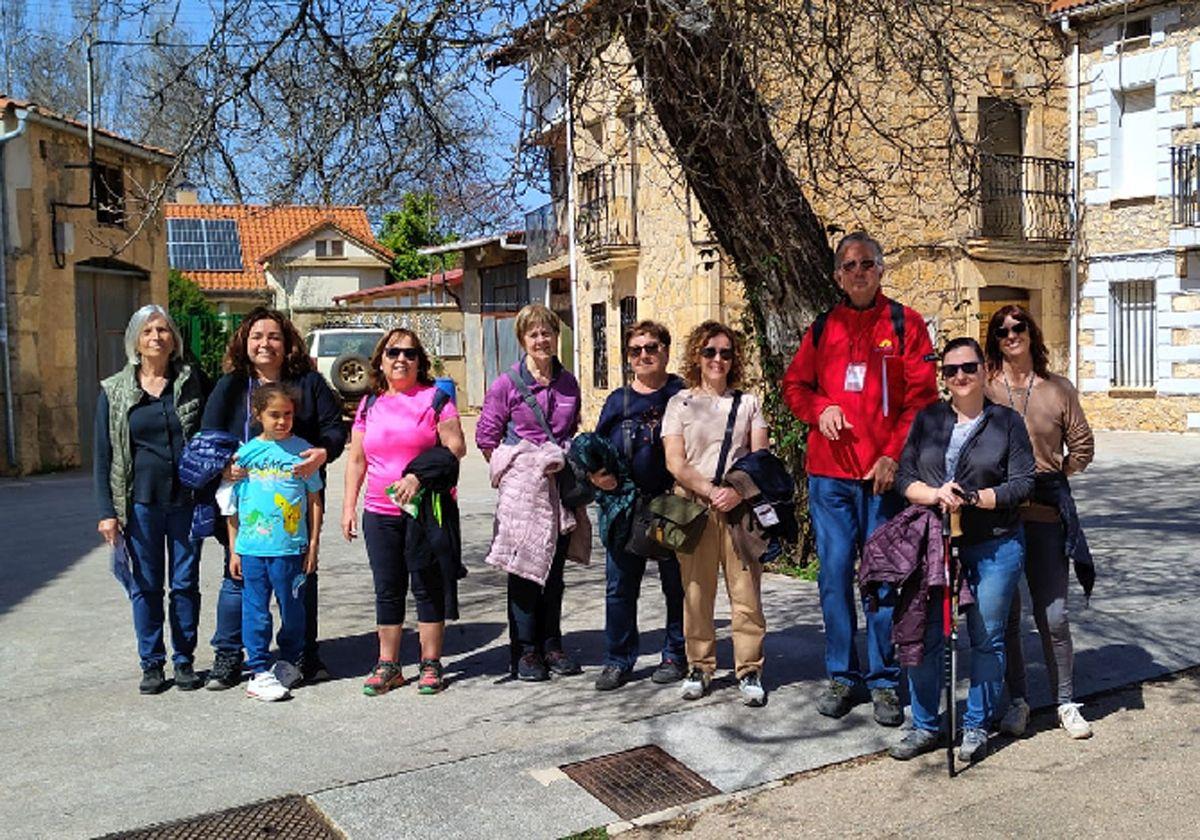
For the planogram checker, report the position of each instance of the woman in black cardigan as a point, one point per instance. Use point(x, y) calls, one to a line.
point(973, 456)
point(267, 347)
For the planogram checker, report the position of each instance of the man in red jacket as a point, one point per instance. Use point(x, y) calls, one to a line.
point(858, 380)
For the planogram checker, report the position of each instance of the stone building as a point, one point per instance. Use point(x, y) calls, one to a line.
point(83, 247)
point(625, 240)
point(1137, 110)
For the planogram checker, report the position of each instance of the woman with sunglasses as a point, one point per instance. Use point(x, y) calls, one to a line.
point(402, 418)
point(973, 456)
point(1020, 378)
point(694, 433)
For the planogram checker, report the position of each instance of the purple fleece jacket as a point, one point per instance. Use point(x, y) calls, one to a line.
point(503, 406)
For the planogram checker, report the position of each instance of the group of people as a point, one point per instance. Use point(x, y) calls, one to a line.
point(247, 463)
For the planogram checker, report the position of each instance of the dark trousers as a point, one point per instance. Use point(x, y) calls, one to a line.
point(535, 612)
point(389, 570)
point(623, 583)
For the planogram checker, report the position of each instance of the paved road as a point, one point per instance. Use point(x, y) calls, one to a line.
point(85, 754)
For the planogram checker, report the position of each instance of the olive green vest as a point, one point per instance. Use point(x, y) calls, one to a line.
point(124, 393)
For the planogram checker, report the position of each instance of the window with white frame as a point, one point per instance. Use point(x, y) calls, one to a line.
point(1134, 143)
point(1132, 336)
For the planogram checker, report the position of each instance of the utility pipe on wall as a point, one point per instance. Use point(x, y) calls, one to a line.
point(1073, 86)
point(10, 429)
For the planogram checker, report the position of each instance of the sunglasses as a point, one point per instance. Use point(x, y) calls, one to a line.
point(650, 348)
point(969, 368)
point(410, 353)
point(711, 353)
point(852, 265)
point(1015, 329)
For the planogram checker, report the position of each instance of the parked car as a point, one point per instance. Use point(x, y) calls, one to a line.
point(343, 355)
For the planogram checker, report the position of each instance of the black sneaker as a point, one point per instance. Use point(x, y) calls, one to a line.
point(312, 669)
point(915, 743)
point(226, 672)
point(561, 664)
point(888, 711)
point(836, 701)
point(153, 680)
point(668, 672)
point(611, 677)
point(186, 678)
point(532, 668)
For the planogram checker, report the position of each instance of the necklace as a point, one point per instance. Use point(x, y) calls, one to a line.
point(1028, 394)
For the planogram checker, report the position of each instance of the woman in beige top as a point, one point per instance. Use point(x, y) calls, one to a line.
point(693, 430)
point(1062, 443)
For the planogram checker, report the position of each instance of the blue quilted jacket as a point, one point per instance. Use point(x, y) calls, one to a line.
point(200, 466)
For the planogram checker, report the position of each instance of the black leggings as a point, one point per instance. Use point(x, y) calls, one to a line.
point(389, 567)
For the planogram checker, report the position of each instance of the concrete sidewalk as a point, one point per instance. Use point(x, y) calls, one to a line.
point(87, 755)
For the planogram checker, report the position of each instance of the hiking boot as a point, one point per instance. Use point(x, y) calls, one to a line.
point(430, 680)
point(670, 671)
point(186, 678)
point(611, 677)
point(888, 711)
point(532, 668)
point(226, 672)
point(1070, 719)
point(836, 701)
point(1016, 718)
point(267, 687)
point(917, 741)
point(386, 676)
point(287, 673)
point(312, 669)
point(153, 680)
point(695, 685)
point(561, 664)
point(974, 745)
point(753, 694)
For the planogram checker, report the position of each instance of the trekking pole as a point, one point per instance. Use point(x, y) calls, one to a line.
point(951, 527)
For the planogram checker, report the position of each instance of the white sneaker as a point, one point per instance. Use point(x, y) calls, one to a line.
point(753, 693)
point(266, 686)
point(695, 685)
point(1070, 719)
point(1016, 718)
point(287, 673)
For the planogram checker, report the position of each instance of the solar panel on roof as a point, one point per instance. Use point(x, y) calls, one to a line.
point(204, 244)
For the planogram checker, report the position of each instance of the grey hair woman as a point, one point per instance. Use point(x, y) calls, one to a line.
point(145, 413)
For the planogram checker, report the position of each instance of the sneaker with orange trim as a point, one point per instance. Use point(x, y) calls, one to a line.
point(430, 681)
point(384, 678)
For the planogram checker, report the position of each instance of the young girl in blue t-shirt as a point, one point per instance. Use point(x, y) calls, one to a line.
point(274, 532)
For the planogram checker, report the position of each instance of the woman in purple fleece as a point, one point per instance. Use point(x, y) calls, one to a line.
point(534, 612)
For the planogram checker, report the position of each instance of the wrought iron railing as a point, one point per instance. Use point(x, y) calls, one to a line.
point(1024, 198)
point(546, 233)
point(1185, 185)
point(607, 214)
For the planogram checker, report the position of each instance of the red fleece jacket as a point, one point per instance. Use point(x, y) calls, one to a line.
point(816, 379)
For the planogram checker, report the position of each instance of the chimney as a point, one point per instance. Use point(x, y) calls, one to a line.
point(186, 193)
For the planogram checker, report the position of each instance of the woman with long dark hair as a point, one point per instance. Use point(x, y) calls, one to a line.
point(1019, 377)
point(267, 347)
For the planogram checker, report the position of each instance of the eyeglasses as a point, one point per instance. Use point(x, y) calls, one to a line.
point(711, 353)
point(650, 348)
point(1015, 329)
point(969, 368)
point(854, 265)
point(410, 353)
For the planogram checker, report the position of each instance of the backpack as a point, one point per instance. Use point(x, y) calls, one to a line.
point(439, 402)
point(897, 312)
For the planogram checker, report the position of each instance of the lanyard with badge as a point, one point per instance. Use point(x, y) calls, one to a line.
point(856, 371)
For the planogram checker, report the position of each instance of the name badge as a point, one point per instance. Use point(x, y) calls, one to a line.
point(856, 376)
point(766, 515)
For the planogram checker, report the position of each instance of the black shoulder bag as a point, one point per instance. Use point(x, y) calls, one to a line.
point(641, 520)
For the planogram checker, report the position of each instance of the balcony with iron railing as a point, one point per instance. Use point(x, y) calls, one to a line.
point(546, 239)
point(606, 219)
point(1185, 185)
point(1023, 199)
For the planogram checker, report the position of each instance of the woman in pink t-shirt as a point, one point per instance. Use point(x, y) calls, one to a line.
point(402, 418)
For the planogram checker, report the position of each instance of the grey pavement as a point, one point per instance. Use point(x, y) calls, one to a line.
point(86, 755)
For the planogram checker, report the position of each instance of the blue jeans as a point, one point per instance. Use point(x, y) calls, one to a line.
point(844, 513)
point(260, 576)
point(227, 637)
point(157, 537)
point(993, 569)
point(623, 583)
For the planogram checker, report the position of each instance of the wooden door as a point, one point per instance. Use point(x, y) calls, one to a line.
point(104, 302)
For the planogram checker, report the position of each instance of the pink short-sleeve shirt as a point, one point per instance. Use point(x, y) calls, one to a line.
point(398, 428)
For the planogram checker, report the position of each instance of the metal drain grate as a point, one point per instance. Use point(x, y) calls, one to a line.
point(639, 781)
point(289, 818)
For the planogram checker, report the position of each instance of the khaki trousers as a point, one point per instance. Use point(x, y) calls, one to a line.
point(743, 583)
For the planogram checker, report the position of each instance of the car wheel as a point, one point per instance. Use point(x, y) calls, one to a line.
point(351, 374)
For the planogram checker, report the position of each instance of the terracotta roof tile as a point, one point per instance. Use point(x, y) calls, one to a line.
point(266, 229)
point(453, 277)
